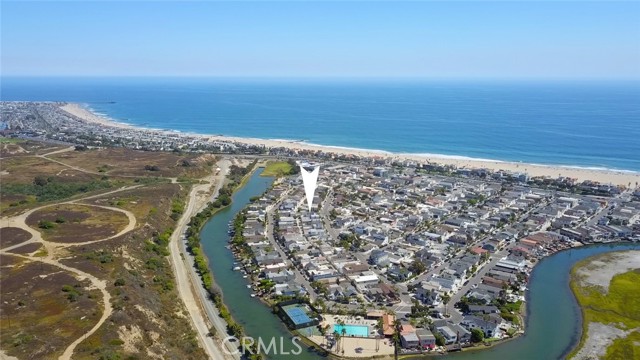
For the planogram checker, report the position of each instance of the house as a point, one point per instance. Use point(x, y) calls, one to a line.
point(483, 309)
point(388, 321)
point(280, 277)
point(379, 258)
point(460, 268)
point(399, 273)
point(409, 340)
point(488, 324)
point(447, 280)
point(288, 290)
point(365, 279)
point(285, 221)
point(483, 294)
point(447, 332)
point(428, 294)
point(426, 338)
point(380, 172)
point(382, 292)
point(512, 262)
point(351, 269)
point(375, 314)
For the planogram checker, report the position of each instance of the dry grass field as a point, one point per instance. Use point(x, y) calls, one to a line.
point(117, 162)
point(10, 236)
point(44, 304)
point(42, 309)
point(72, 223)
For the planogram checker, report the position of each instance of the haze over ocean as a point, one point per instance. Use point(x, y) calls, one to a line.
point(571, 123)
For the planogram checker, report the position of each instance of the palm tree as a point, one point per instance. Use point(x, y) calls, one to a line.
point(397, 325)
point(445, 300)
point(323, 332)
point(344, 332)
point(378, 326)
point(337, 336)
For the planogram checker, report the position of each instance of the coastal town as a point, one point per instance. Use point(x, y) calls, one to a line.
point(438, 262)
point(396, 255)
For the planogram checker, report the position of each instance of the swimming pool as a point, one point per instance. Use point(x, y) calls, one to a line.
point(352, 330)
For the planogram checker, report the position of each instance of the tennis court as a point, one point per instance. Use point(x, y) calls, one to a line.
point(297, 313)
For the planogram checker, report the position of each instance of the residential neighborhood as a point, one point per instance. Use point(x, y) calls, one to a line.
point(442, 257)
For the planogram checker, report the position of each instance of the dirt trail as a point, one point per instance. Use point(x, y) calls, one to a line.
point(81, 275)
point(19, 221)
point(173, 180)
point(187, 285)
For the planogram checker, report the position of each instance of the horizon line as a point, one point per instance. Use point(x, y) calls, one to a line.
point(328, 77)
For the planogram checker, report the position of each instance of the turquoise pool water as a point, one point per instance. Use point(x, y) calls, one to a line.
point(352, 330)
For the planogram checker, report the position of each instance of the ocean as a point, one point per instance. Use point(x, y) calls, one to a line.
point(594, 124)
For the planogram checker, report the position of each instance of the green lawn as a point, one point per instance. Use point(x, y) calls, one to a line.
point(619, 307)
point(6, 140)
point(277, 168)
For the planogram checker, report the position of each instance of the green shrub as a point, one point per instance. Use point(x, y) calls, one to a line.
point(46, 224)
point(116, 342)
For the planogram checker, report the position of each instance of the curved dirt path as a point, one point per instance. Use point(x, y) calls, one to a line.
point(19, 221)
point(81, 275)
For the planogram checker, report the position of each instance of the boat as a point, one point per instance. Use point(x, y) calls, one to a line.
point(236, 268)
point(249, 286)
point(253, 295)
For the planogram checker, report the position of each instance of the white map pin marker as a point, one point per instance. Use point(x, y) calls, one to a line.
point(310, 180)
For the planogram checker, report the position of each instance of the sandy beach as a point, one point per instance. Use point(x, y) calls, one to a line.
point(624, 178)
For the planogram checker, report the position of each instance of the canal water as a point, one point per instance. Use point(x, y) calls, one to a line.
point(554, 321)
point(553, 315)
point(255, 317)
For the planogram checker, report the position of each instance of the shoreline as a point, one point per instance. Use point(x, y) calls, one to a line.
point(603, 176)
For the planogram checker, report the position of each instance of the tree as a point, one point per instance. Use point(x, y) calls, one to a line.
point(417, 267)
point(397, 325)
point(323, 332)
point(212, 331)
point(40, 181)
point(295, 169)
point(477, 335)
point(378, 326)
point(440, 340)
point(445, 300)
point(463, 305)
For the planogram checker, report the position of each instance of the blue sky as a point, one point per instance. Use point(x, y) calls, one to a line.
point(544, 39)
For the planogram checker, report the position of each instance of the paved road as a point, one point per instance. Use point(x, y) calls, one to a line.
point(188, 283)
point(299, 277)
